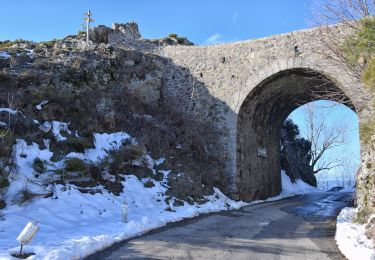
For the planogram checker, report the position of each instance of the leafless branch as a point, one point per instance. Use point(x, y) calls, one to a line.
point(322, 138)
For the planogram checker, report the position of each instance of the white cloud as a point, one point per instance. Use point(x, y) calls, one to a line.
point(214, 39)
point(235, 16)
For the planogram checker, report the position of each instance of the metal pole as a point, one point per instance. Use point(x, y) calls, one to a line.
point(88, 25)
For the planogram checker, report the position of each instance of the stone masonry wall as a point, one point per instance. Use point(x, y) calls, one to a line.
point(215, 80)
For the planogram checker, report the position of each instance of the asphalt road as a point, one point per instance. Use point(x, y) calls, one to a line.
point(301, 227)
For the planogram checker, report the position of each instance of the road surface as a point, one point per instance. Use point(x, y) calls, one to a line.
point(301, 227)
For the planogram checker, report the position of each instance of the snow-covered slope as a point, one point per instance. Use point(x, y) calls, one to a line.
point(299, 187)
point(74, 224)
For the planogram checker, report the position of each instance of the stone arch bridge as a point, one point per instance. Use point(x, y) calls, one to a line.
point(247, 89)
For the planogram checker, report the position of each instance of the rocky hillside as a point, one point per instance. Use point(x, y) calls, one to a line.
point(58, 94)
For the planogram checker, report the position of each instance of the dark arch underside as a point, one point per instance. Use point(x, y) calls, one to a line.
point(259, 123)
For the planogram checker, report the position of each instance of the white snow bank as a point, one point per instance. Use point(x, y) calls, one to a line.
point(8, 110)
point(77, 224)
point(290, 189)
point(4, 54)
point(56, 128)
point(351, 238)
point(103, 144)
point(299, 187)
point(40, 105)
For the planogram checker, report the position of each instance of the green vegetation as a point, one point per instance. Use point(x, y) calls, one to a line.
point(362, 44)
point(50, 44)
point(7, 140)
point(43, 93)
point(4, 182)
point(149, 184)
point(367, 130)
point(173, 35)
point(7, 43)
point(134, 152)
point(369, 74)
point(367, 209)
point(78, 144)
point(360, 49)
point(75, 165)
point(38, 165)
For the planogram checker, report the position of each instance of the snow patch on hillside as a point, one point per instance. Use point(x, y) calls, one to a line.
point(4, 55)
point(8, 110)
point(74, 224)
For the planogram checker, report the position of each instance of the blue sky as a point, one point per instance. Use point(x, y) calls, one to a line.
point(202, 21)
point(336, 115)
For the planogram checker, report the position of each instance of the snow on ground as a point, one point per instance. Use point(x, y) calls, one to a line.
point(8, 110)
point(74, 224)
point(299, 187)
point(4, 54)
point(41, 104)
point(351, 238)
point(103, 144)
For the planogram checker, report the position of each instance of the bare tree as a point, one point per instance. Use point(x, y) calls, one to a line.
point(323, 138)
point(349, 13)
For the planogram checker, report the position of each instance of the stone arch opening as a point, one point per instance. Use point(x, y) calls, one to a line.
point(332, 123)
point(259, 125)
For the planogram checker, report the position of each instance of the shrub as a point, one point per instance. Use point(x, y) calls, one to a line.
point(3, 204)
point(78, 144)
point(134, 151)
point(367, 130)
point(181, 40)
point(368, 76)
point(7, 140)
point(38, 165)
point(127, 154)
point(26, 195)
point(43, 93)
point(51, 43)
point(149, 184)
point(75, 165)
point(362, 44)
point(4, 182)
point(7, 43)
point(172, 35)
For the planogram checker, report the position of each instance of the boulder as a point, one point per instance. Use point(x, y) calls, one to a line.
point(100, 34)
point(130, 30)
